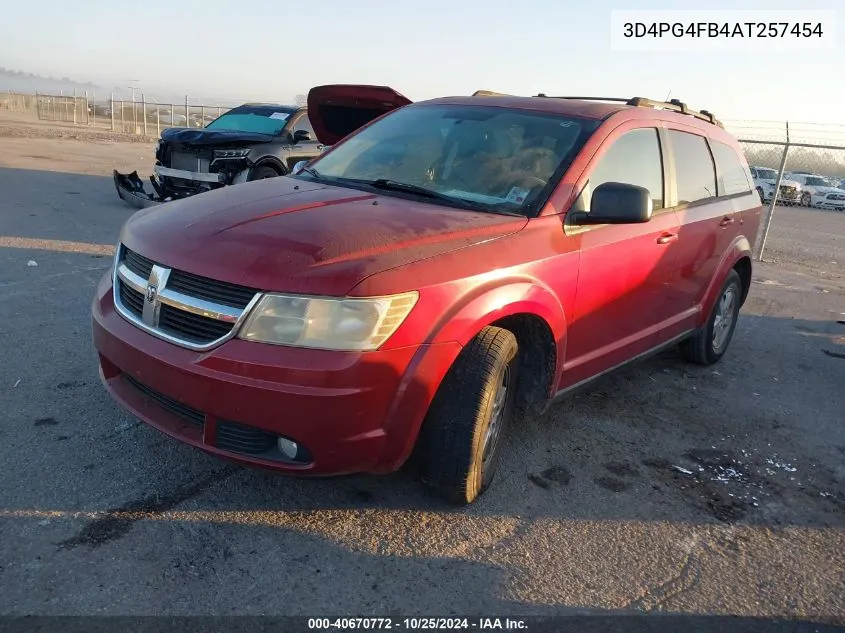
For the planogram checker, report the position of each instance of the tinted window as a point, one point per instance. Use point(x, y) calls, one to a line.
point(696, 173)
point(732, 178)
point(633, 159)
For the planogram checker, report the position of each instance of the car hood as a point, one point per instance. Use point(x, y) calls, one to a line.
point(337, 110)
point(825, 190)
point(288, 235)
point(202, 137)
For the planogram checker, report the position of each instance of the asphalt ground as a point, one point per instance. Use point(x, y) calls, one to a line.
point(665, 488)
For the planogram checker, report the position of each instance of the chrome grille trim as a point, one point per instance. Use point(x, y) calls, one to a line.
point(154, 293)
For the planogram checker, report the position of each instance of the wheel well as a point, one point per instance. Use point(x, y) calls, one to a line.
point(537, 361)
point(743, 269)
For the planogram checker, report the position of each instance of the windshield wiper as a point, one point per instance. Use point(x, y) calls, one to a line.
point(312, 171)
point(395, 185)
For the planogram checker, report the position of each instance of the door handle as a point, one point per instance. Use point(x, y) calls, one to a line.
point(667, 237)
point(725, 221)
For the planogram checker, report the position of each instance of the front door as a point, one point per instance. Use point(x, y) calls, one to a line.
point(303, 150)
point(625, 270)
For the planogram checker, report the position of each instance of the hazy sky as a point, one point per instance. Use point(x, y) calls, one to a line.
point(272, 49)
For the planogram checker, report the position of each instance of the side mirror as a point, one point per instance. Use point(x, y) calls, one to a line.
point(301, 135)
point(298, 167)
point(617, 203)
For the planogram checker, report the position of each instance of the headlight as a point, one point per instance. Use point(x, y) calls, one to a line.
point(231, 153)
point(338, 324)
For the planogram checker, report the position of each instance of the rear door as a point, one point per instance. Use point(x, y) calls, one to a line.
point(625, 270)
point(707, 202)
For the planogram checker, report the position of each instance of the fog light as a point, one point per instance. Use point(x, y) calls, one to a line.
point(288, 449)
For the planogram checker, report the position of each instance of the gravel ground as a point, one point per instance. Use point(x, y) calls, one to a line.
point(665, 488)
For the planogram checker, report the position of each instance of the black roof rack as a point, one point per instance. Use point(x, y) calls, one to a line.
point(640, 102)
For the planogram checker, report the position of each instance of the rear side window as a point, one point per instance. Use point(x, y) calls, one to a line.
point(732, 178)
point(696, 173)
point(633, 159)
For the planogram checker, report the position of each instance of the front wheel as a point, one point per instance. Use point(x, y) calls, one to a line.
point(263, 171)
point(459, 444)
point(806, 200)
point(708, 345)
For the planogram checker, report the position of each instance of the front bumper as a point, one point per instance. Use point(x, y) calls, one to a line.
point(351, 411)
point(826, 203)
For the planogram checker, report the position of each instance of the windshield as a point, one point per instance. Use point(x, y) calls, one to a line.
point(479, 157)
point(817, 182)
point(262, 120)
point(767, 174)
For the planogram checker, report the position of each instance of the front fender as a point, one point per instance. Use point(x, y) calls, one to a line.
point(738, 249)
point(450, 332)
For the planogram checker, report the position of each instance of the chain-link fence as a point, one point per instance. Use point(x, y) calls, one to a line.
point(791, 176)
point(17, 102)
point(148, 119)
point(60, 108)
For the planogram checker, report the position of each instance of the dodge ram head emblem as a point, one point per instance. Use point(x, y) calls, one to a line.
point(151, 293)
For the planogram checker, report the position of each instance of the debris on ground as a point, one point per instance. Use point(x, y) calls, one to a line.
point(32, 263)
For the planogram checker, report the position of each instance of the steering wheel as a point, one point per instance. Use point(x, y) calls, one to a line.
point(531, 181)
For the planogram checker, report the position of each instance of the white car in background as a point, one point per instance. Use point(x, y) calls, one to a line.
point(765, 181)
point(820, 192)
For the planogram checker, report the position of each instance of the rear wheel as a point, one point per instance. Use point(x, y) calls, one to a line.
point(264, 171)
point(459, 445)
point(708, 345)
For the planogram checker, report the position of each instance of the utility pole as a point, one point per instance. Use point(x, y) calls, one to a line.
point(132, 87)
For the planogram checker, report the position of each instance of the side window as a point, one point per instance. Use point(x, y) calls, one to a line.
point(732, 178)
point(304, 123)
point(696, 173)
point(633, 159)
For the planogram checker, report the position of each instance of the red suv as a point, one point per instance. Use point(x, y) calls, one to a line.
point(446, 268)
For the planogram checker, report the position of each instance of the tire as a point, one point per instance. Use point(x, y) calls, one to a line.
point(263, 171)
point(806, 199)
point(470, 413)
point(705, 348)
point(760, 193)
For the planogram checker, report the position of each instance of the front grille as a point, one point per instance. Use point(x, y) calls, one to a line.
point(189, 162)
point(191, 327)
point(787, 191)
point(131, 299)
point(240, 438)
point(210, 289)
point(138, 264)
point(191, 310)
point(175, 407)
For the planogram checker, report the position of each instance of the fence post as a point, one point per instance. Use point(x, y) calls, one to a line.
point(768, 223)
point(158, 121)
point(74, 106)
point(144, 112)
point(172, 114)
point(93, 108)
point(202, 116)
point(111, 111)
point(187, 112)
point(122, 118)
point(219, 112)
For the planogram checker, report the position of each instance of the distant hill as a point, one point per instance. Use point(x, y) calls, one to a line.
point(19, 81)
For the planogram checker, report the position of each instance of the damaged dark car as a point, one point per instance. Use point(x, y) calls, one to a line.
point(250, 142)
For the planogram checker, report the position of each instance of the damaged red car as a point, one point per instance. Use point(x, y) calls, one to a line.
point(446, 269)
